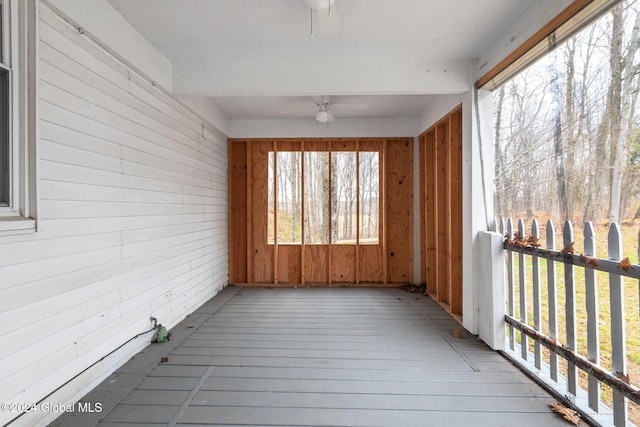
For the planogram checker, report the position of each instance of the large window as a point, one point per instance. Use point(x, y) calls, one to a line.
point(567, 128)
point(330, 197)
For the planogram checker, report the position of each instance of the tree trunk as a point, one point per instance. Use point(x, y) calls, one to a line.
point(584, 129)
point(570, 132)
point(615, 129)
point(499, 166)
point(557, 135)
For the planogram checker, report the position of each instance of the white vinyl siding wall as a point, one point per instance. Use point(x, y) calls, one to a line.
point(132, 220)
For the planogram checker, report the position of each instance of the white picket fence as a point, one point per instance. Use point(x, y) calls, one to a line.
point(523, 274)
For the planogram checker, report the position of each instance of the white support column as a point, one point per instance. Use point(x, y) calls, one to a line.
point(492, 300)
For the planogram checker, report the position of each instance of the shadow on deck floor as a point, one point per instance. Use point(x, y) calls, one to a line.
point(318, 357)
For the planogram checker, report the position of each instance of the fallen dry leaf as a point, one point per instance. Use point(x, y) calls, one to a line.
point(164, 359)
point(625, 264)
point(519, 239)
point(623, 377)
point(533, 242)
point(568, 414)
point(593, 262)
point(569, 249)
point(457, 333)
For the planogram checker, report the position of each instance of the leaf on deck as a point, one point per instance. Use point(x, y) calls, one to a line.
point(457, 333)
point(566, 413)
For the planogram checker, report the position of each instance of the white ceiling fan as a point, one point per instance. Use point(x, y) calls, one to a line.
point(327, 16)
point(325, 106)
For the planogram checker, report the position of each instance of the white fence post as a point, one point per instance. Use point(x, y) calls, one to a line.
point(492, 298)
point(553, 298)
point(522, 288)
point(570, 309)
point(511, 290)
point(618, 334)
point(537, 306)
point(593, 317)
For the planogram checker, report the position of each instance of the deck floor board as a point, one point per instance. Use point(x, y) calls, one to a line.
point(323, 357)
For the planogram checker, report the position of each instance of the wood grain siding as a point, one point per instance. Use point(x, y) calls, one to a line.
point(133, 220)
point(441, 210)
point(399, 210)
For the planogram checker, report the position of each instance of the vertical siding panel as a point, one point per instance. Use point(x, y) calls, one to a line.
point(399, 210)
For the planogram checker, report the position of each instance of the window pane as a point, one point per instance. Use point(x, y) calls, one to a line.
point(5, 170)
point(369, 198)
point(316, 198)
point(567, 129)
point(343, 198)
point(271, 199)
point(2, 10)
point(287, 191)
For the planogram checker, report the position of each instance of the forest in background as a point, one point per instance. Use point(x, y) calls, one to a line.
point(332, 203)
point(567, 128)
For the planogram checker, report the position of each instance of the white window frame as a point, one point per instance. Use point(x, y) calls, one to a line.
point(20, 19)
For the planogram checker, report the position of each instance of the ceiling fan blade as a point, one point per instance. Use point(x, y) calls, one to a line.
point(297, 109)
point(351, 105)
point(319, 100)
point(329, 20)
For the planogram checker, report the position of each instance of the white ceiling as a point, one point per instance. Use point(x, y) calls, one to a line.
point(256, 60)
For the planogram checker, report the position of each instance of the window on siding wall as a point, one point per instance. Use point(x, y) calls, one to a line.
point(5, 104)
point(567, 128)
point(18, 121)
point(340, 193)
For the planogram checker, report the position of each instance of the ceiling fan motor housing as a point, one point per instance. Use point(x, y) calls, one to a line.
point(320, 4)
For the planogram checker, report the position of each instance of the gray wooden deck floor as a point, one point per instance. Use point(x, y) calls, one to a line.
point(318, 357)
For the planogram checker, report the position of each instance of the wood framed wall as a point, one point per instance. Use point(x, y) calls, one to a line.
point(440, 174)
point(255, 261)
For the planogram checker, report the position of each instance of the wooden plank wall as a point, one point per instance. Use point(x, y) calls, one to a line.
point(441, 210)
point(269, 264)
point(399, 210)
point(133, 220)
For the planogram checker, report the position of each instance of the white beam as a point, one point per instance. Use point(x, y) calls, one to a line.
point(520, 30)
point(320, 78)
point(309, 128)
point(104, 22)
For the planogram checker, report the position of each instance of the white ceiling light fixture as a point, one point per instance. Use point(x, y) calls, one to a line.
point(323, 108)
point(323, 115)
